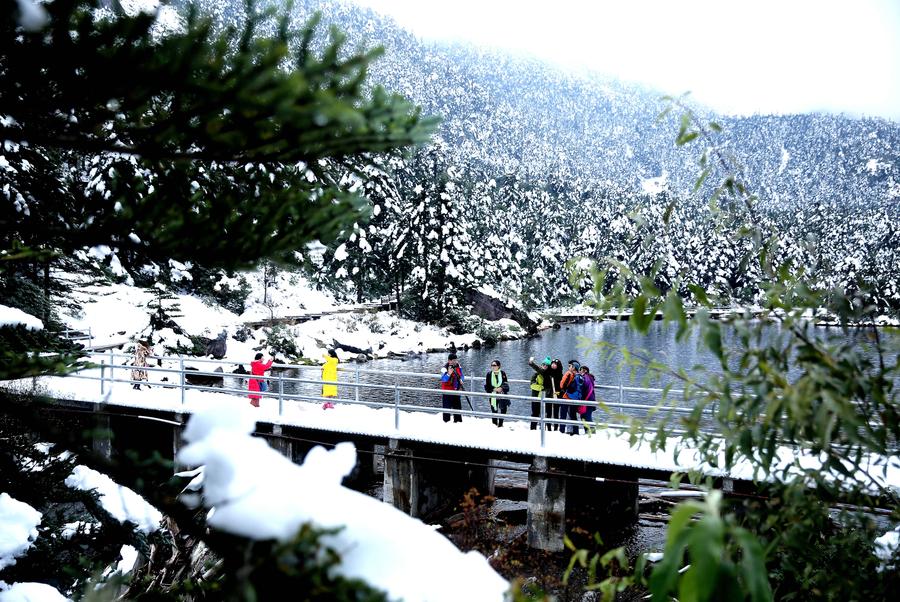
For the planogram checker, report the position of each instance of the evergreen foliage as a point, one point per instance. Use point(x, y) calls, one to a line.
point(146, 146)
point(559, 167)
point(816, 417)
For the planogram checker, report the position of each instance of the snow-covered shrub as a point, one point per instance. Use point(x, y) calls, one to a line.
point(281, 340)
point(227, 289)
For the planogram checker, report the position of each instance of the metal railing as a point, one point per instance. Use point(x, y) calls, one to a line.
point(78, 334)
point(110, 363)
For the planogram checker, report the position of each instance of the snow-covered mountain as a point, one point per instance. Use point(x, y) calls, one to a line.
point(523, 116)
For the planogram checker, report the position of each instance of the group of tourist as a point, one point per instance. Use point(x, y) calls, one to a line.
point(565, 395)
point(258, 368)
point(571, 392)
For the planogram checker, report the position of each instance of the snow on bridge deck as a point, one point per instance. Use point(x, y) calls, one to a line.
point(608, 446)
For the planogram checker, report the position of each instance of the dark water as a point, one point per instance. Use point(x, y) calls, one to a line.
point(576, 341)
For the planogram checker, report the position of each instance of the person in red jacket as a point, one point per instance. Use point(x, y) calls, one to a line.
point(451, 380)
point(258, 368)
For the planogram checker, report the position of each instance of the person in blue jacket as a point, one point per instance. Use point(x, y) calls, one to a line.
point(452, 380)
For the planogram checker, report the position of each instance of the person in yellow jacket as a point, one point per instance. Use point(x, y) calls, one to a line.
point(329, 373)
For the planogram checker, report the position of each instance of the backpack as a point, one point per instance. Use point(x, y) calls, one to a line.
point(575, 389)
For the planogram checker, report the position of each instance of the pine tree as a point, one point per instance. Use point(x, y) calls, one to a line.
point(193, 145)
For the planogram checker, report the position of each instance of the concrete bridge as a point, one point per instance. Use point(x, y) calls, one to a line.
point(428, 465)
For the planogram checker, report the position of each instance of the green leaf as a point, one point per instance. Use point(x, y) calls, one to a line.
point(753, 567)
point(699, 294)
point(648, 287)
point(686, 137)
point(641, 317)
point(713, 339)
point(702, 178)
point(673, 311)
point(668, 213)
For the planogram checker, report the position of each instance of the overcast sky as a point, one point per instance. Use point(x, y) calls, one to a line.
point(737, 56)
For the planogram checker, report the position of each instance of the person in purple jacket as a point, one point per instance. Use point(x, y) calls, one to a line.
point(586, 412)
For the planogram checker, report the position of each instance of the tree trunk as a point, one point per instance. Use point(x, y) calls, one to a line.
point(46, 312)
point(359, 283)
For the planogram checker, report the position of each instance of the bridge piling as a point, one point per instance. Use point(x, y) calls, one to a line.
point(281, 444)
point(422, 482)
point(398, 476)
point(101, 435)
point(546, 521)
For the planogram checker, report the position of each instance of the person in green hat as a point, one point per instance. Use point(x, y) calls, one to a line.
point(539, 383)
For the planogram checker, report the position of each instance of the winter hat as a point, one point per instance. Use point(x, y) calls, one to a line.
point(547, 361)
point(575, 364)
point(452, 356)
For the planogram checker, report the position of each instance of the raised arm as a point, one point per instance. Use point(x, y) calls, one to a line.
point(535, 367)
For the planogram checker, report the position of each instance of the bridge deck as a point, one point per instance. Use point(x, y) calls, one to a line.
point(606, 446)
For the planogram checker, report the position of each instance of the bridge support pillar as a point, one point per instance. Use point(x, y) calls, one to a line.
point(363, 472)
point(280, 443)
point(398, 477)
point(177, 441)
point(101, 436)
point(419, 482)
point(546, 523)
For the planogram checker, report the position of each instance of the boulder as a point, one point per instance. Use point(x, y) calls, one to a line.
point(218, 347)
point(203, 379)
point(351, 349)
point(493, 308)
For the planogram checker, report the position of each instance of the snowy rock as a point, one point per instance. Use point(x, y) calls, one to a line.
point(18, 528)
point(30, 592)
point(11, 316)
point(492, 307)
point(122, 503)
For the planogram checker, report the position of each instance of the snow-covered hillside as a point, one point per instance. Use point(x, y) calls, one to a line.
point(522, 116)
point(535, 168)
point(118, 314)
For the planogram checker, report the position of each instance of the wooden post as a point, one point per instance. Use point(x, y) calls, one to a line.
point(546, 522)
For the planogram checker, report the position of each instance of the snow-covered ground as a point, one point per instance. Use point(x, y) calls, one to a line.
point(119, 314)
point(11, 316)
point(255, 492)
